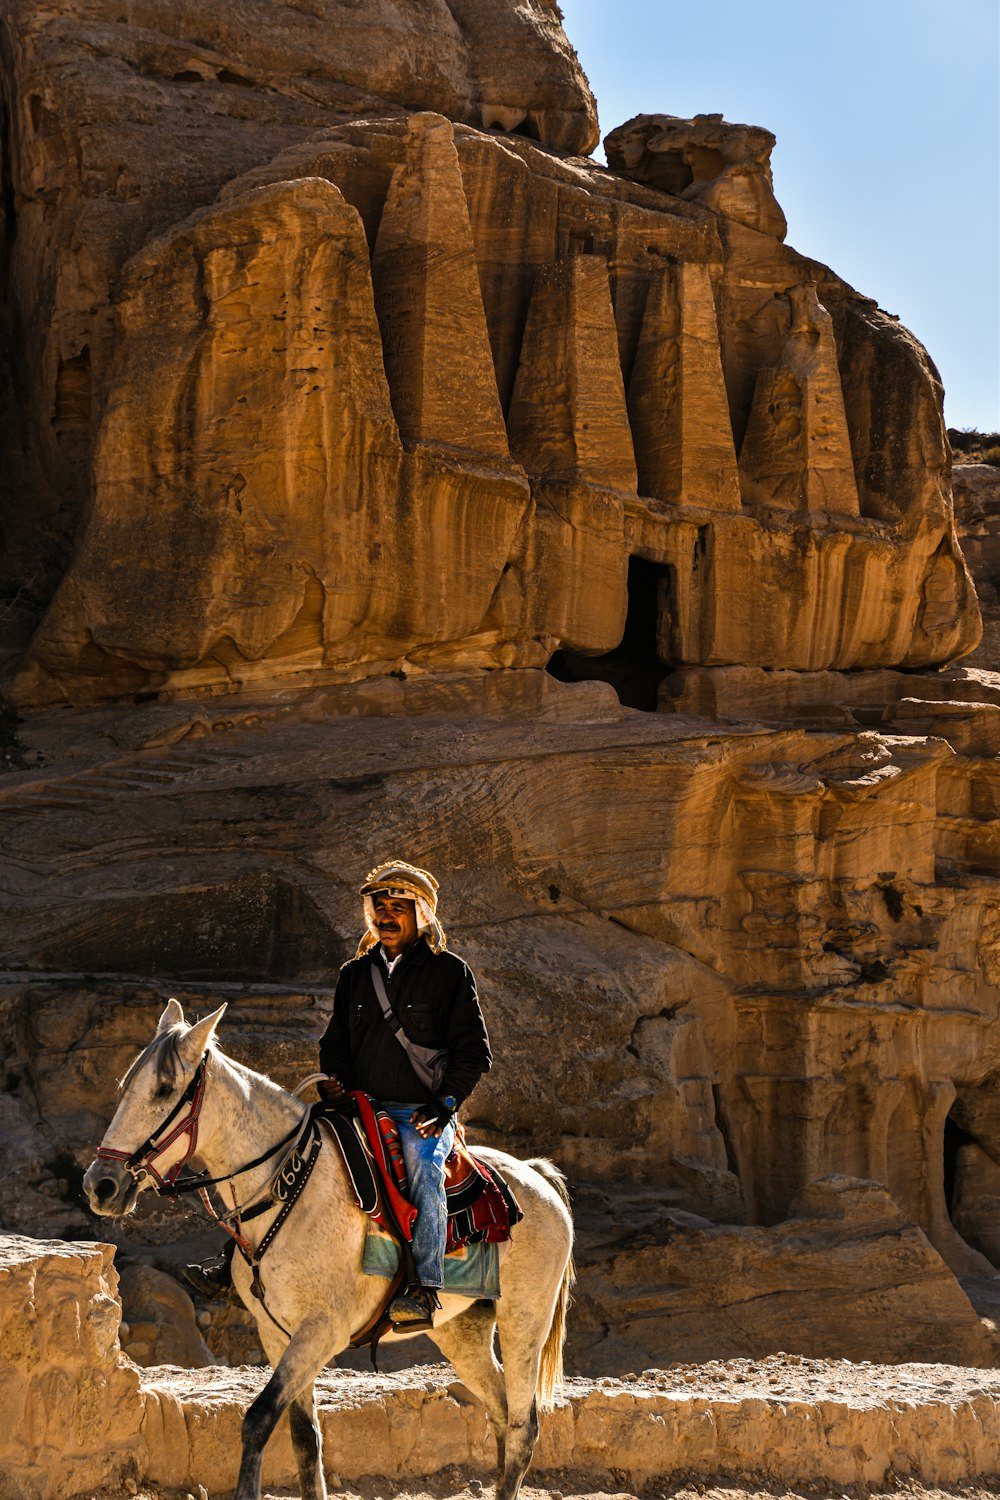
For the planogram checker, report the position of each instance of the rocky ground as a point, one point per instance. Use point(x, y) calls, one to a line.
point(710, 1487)
point(774, 1426)
point(558, 1486)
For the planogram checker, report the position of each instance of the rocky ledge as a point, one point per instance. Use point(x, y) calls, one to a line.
point(84, 1416)
point(784, 1419)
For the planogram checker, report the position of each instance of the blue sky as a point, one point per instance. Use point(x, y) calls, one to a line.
point(887, 114)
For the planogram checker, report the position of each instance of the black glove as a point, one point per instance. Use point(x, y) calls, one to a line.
point(429, 1120)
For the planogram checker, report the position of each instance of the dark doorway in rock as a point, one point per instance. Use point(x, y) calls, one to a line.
point(955, 1137)
point(634, 668)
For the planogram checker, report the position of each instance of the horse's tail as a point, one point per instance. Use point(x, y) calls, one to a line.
point(550, 1373)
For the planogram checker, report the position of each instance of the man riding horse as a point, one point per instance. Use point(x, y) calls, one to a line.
point(189, 1119)
point(402, 1004)
point(430, 997)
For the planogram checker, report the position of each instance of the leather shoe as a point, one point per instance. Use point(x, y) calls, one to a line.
point(414, 1308)
point(209, 1278)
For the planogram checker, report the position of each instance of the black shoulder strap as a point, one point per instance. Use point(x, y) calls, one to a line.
point(423, 1060)
point(389, 1014)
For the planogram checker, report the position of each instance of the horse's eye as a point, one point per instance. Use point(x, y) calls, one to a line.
point(164, 1091)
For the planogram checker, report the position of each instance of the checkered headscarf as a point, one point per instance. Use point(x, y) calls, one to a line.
point(396, 878)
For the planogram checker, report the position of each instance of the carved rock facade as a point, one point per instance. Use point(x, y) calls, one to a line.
point(401, 394)
point(350, 392)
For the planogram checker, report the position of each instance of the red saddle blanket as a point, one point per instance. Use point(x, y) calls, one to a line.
point(481, 1207)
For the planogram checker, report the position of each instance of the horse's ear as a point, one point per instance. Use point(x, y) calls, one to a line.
point(173, 1015)
point(192, 1045)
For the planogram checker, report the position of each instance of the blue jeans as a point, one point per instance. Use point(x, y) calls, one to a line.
point(425, 1161)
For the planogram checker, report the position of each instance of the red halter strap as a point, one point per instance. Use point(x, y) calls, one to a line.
point(142, 1158)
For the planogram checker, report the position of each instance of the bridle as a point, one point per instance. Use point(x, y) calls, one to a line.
point(139, 1163)
point(292, 1175)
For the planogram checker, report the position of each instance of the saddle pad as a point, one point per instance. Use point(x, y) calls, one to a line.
point(480, 1204)
point(356, 1160)
point(464, 1178)
point(469, 1271)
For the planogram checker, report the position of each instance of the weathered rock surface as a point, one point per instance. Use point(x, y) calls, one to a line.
point(160, 1319)
point(705, 160)
point(811, 1421)
point(267, 376)
point(72, 1407)
point(770, 954)
point(827, 699)
point(843, 1259)
point(976, 489)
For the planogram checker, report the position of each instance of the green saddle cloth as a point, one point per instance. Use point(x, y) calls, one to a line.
point(470, 1271)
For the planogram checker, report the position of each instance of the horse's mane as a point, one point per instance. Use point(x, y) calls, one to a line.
point(164, 1049)
point(164, 1052)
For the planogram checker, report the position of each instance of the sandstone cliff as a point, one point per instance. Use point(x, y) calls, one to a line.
point(272, 361)
point(342, 386)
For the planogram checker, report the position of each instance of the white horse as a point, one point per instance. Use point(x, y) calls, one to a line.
point(184, 1100)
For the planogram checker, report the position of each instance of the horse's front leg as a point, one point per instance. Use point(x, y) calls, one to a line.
point(307, 1352)
point(307, 1445)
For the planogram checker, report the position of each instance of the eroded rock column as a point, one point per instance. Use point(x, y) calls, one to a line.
point(568, 426)
point(677, 401)
point(797, 450)
point(72, 1407)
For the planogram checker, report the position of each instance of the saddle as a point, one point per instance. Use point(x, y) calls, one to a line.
point(481, 1206)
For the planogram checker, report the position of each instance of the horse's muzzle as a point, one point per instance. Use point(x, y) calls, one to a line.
point(111, 1190)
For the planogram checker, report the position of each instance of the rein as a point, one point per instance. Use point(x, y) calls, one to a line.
point(290, 1178)
point(140, 1161)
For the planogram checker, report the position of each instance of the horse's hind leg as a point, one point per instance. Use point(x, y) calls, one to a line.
point(519, 1445)
point(520, 1345)
point(525, 1319)
point(307, 1445)
point(467, 1342)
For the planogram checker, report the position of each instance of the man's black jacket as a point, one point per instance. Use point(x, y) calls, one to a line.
point(434, 997)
